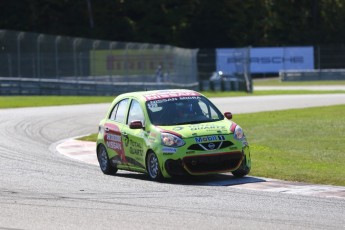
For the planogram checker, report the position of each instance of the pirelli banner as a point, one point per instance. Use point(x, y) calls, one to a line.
point(129, 62)
point(266, 59)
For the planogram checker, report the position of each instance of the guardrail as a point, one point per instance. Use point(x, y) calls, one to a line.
point(44, 86)
point(312, 75)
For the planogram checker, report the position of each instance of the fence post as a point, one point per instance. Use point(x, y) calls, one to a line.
point(57, 41)
point(20, 37)
point(76, 42)
point(39, 40)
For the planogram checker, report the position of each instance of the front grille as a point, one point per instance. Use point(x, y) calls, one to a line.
point(213, 162)
point(210, 146)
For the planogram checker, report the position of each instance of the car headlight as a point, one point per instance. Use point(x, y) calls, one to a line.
point(171, 140)
point(238, 134)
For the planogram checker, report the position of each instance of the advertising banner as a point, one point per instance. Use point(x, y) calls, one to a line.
point(266, 59)
point(129, 62)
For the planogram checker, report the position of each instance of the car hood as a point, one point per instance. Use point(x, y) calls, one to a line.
point(201, 129)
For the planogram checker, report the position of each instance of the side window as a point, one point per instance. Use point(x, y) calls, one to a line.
point(208, 111)
point(135, 112)
point(113, 113)
point(119, 111)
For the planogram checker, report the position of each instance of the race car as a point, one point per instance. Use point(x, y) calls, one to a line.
point(169, 133)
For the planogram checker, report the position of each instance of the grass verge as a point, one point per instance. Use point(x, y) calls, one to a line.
point(298, 145)
point(305, 145)
point(35, 101)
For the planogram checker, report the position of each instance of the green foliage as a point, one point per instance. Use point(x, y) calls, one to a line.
point(188, 23)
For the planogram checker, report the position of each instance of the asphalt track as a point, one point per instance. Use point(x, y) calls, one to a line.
point(42, 189)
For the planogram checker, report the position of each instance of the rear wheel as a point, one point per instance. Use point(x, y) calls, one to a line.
point(104, 162)
point(152, 165)
point(242, 170)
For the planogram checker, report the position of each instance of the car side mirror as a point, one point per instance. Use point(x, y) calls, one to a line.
point(136, 124)
point(228, 115)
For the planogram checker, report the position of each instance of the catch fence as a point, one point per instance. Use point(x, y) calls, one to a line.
point(41, 64)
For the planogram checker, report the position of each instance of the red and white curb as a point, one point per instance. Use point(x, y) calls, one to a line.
point(85, 151)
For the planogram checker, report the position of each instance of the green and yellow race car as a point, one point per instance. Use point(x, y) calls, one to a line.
point(167, 133)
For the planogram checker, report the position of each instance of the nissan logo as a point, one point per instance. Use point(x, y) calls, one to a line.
point(211, 146)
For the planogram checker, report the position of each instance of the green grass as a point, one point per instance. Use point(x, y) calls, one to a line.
point(305, 145)
point(34, 101)
point(91, 137)
point(298, 145)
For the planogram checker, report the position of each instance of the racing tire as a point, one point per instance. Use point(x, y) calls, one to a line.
point(104, 162)
point(242, 170)
point(152, 166)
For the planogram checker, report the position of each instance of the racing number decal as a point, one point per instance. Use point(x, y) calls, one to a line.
point(113, 140)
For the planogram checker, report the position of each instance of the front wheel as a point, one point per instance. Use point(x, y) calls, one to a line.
point(242, 170)
point(104, 162)
point(152, 165)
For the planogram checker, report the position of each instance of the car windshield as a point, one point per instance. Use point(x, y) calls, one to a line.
point(182, 110)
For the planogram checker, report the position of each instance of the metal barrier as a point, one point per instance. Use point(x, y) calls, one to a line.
point(312, 75)
point(50, 86)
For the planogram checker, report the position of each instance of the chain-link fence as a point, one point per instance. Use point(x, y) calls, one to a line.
point(41, 64)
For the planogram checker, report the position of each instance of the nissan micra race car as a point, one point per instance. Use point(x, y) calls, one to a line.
point(167, 133)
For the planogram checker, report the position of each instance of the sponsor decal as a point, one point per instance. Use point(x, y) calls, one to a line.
point(209, 138)
point(169, 150)
point(207, 127)
point(113, 137)
point(152, 137)
point(189, 98)
point(170, 94)
point(114, 145)
point(154, 103)
point(113, 140)
point(178, 128)
point(135, 148)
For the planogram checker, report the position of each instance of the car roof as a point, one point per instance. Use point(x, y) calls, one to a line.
point(160, 94)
